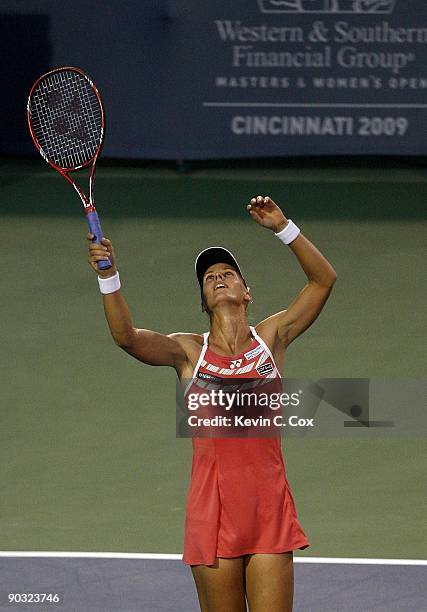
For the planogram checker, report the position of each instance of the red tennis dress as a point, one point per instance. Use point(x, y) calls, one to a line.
point(239, 500)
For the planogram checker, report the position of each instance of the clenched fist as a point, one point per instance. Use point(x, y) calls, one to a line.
point(98, 252)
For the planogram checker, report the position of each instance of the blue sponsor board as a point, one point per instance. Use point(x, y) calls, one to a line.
point(243, 78)
point(297, 77)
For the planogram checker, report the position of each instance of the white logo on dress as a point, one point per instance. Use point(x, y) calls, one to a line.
point(235, 364)
point(327, 6)
point(254, 352)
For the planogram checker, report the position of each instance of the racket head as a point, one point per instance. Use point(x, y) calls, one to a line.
point(66, 118)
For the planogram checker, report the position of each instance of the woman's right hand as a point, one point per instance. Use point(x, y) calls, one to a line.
point(98, 252)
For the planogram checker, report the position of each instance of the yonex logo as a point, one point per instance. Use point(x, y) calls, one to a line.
point(235, 364)
point(327, 6)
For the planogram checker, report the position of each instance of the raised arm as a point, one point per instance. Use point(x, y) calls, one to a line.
point(148, 346)
point(284, 326)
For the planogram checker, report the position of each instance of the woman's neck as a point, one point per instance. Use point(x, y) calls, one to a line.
point(230, 331)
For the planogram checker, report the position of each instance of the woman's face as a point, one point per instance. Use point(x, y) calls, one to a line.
point(222, 283)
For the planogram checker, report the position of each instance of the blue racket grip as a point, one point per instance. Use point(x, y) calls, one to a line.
point(95, 229)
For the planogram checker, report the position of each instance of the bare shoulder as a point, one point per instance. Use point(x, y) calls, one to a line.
point(187, 338)
point(267, 328)
point(190, 343)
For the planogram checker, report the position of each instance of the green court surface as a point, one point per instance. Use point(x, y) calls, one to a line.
point(88, 454)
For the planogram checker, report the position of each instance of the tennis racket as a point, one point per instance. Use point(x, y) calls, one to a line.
point(66, 122)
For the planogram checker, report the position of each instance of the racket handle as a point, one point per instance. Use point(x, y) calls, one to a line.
point(95, 229)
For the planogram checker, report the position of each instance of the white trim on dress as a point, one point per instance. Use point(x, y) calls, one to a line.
point(199, 361)
point(263, 344)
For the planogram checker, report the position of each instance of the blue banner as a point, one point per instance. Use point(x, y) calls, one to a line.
point(245, 78)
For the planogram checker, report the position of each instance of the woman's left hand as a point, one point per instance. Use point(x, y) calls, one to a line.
point(267, 213)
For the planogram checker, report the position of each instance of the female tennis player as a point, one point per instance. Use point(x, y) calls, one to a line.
point(241, 525)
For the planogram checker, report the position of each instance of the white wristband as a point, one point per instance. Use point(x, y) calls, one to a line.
point(288, 233)
point(109, 285)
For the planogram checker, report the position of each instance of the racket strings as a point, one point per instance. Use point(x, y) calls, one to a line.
point(66, 118)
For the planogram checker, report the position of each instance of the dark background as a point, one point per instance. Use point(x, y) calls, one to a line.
point(155, 63)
